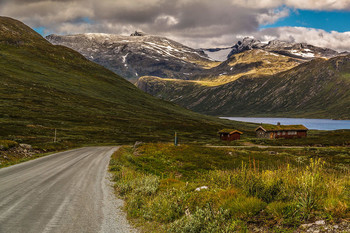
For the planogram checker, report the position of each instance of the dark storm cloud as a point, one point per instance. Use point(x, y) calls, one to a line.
point(199, 23)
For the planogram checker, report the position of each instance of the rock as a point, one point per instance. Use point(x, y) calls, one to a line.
point(320, 222)
point(200, 188)
point(25, 146)
point(137, 144)
point(306, 225)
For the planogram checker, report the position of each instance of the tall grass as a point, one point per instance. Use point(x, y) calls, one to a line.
point(233, 199)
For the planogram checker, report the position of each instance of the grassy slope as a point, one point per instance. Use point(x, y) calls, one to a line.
point(317, 89)
point(251, 63)
point(247, 189)
point(45, 87)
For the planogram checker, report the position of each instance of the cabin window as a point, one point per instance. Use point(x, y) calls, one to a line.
point(278, 133)
point(283, 133)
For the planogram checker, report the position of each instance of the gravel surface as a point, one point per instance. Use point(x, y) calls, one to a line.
point(64, 192)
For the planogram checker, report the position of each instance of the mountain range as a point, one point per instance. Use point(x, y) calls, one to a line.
point(255, 79)
point(46, 87)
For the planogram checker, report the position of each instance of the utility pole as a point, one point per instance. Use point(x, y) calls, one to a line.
point(54, 140)
point(175, 141)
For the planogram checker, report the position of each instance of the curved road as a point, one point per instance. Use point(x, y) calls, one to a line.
point(63, 192)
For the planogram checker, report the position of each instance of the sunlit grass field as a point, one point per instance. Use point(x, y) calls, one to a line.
point(199, 189)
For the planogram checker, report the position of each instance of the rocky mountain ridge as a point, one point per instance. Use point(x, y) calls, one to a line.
point(137, 55)
point(301, 51)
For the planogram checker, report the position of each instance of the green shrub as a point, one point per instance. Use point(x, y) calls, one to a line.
point(311, 189)
point(336, 208)
point(166, 207)
point(128, 180)
point(266, 185)
point(146, 185)
point(244, 207)
point(281, 211)
point(135, 203)
point(7, 144)
point(205, 220)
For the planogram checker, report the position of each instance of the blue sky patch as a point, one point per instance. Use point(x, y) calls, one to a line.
point(326, 20)
point(40, 30)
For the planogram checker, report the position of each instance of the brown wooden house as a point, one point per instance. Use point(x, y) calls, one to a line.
point(281, 131)
point(229, 134)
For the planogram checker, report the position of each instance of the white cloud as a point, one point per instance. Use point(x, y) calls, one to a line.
point(339, 41)
point(197, 23)
point(166, 20)
point(272, 16)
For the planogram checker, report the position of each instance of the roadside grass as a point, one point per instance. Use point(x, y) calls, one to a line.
point(14, 154)
point(237, 189)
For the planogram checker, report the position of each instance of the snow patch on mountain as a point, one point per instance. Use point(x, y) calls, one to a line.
point(302, 53)
point(217, 54)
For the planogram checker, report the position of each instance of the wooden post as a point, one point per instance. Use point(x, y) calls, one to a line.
point(54, 140)
point(175, 141)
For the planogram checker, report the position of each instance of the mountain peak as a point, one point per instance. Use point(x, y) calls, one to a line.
point(301, 51)
point(137, 33)
point(247, 43)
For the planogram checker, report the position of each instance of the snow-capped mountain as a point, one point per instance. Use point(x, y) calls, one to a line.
point(137, 55)
point(301, 51)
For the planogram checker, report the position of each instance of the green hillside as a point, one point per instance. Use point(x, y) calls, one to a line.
point(45, 87)
point(316, 89)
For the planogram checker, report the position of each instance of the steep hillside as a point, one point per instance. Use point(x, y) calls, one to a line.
point(46, 87)
point(138, 54)
point(319, 88)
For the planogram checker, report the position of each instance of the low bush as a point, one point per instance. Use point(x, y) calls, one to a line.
point(7, 144)
point(243, 207)
point(205, 220)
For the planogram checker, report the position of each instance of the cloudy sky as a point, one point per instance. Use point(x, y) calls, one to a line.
point(197, 23)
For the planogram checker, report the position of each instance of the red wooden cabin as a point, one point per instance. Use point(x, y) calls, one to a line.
point(281, 131)
point(230, 134)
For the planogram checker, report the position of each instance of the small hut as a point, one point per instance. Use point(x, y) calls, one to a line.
point(281, 131)
point(229, 134)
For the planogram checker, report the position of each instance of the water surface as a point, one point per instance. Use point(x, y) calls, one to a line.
point(319, 124)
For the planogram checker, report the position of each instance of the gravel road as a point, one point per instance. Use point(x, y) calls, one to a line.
point(64, 192)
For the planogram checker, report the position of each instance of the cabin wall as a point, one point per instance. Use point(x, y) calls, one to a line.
point(235, 136)
point(290, 134)
point(280, 134)
point(302, 134)
point(262, 134)
point(230, 137)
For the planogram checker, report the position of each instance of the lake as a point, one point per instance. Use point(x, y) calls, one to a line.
point(319, 124)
